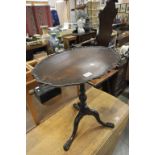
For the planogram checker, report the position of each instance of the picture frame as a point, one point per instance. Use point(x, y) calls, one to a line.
point(123, 8)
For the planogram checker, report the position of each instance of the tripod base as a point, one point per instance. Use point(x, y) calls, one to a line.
point(83, 110)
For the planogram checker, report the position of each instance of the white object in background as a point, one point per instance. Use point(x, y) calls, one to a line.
point(124, 50)
point(66, 26)
point(59, 1)
point(80, 24)
point(45, 36)
point(62, 11)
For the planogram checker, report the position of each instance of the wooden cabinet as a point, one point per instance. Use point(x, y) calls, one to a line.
point(32, 49)
point(85, 36)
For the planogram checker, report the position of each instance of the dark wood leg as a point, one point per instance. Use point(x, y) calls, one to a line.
point(76, 106)
point(83, 110)
point(97, 116)
point(75, 127)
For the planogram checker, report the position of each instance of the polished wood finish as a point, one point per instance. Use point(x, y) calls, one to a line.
point(32, 49)
point(67, 40)
point(31, 64)
point(106, 18)
point(85, 36)
point(75, 66)
point(48, 138)
point(103, 78)
point(29, 48)
point(31, 83)
point(29, 76)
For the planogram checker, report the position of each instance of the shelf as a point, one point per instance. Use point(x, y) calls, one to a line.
point(78, 7)
point(30, 2)
point(93, 16)
point(93, 9)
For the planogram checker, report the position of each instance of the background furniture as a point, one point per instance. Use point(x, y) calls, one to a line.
point(75, 38)
point(119, 82)
point(31, 83)
point(114, 81)
point(68, 40)
point(33, 49)
point(106, 18)
point(97, 83)
point(93, 8)
point(85, 36)
point(45, 92)
point(37, 16)
point(123, 38)
point(123, 13)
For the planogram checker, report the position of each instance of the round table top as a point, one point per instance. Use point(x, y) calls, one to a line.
point(75, 66)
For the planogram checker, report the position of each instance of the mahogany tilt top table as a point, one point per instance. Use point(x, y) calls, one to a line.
point(76, 67)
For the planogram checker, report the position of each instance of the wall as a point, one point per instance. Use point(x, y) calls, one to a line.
point(72, 13)
point(61, 8)
point(51, 3)
point(123, 1)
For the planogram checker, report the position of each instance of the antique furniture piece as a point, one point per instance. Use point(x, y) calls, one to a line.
point(97, 83)
point(74, 67)
point(31, 83)
point(32, 49)
point(68, 39)
point(46, 92)
point(92, 139)
point(106, 18)
point(123, 38)
point(85, 36)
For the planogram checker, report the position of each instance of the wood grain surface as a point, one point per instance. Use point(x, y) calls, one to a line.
point(92, 139)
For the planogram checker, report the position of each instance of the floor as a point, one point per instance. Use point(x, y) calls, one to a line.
point(122, 147)
point(47, 110)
